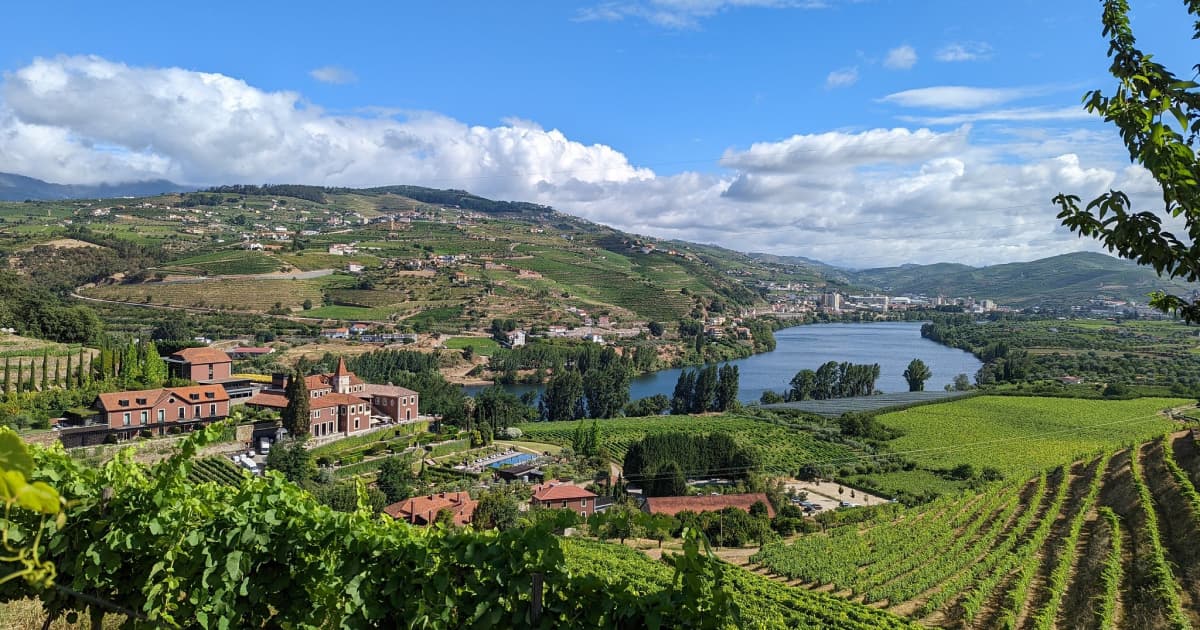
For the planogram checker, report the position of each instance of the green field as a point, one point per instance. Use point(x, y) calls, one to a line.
point(762, 602)
point(783, 449)
point(226, 263)
point(228, 294)
point(483, 346)
point(1023, 435)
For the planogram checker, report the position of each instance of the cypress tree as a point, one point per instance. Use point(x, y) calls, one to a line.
point(83, 377)
point(7, 377)
point(296, 416)
point(67, 382)
point(45, 370)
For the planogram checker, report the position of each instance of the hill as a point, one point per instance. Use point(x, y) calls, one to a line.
point(19, 188)
point(1068, 278)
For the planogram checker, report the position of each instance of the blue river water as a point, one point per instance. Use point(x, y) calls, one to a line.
point(890, 344)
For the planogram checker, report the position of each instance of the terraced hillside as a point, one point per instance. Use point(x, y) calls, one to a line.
point(1106, 542)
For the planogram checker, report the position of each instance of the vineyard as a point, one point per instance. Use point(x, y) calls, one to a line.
point(216, 469)
point(762, 603)
point(1105, 542)
point(246, 294)
point(782, 449)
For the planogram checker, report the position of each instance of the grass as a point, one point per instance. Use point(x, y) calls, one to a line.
point(227, 262)
point(783, 449)
point(1023, 435)
point(483, 346)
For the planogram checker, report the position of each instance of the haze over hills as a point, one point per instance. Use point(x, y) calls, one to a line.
point(15, 187)
point(1071, 277)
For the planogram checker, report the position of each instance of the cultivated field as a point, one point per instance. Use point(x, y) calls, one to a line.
point(784, 450)
point(1105, 542)
point(239, 294)
point(1022, 436)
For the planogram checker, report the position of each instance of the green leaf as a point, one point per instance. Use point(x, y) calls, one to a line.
point(13, 454)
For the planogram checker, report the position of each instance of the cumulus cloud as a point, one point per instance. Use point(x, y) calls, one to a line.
point(959, 97)
point(333, 74)
point(844, 77)
point(901, 58)
point(681, 14)
point(856, 197)
point(964, 51)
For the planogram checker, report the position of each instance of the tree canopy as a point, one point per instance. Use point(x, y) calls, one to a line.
point(1158, 117)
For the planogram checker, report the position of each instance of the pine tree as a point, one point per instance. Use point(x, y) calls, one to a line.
point(296, 416)
point(155, 369)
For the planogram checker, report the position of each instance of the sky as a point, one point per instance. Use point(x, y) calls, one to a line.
point(863, 133)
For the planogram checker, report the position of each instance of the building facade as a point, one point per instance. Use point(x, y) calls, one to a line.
point(565, 497)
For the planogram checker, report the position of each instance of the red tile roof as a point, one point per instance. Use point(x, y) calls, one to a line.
point(710, 503)
point(112, 401)
point(372, 389)
point(268, 399)
point(424, 509)
point(335, 398)
point(561, 493)
point(197, 356)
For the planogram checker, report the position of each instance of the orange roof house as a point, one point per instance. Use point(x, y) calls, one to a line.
point(712, 503)
point(424, 510)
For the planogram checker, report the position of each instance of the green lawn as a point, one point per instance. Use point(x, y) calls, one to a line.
point(484, 346)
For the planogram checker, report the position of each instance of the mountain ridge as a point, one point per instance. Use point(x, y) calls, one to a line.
point(14, 187)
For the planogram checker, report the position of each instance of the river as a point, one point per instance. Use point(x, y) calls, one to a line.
point(890, 344)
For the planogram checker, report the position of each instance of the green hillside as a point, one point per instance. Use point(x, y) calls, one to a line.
point(1068, 278)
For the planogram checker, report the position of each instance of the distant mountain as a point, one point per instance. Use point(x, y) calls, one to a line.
point(1068, 278)
point(19, 188)
point(827, 271)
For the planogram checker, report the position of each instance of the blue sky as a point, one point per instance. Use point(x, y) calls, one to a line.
point(802, 127)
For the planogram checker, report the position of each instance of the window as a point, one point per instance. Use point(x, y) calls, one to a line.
point(316, 413)
point(583, 503)
point(210, 371)
point(212, 410)
point(356, 424)
point(125, 419)
point(162, 415)
point(181, 412)
point(145, 417)
point(564, 505)
point(196, 411)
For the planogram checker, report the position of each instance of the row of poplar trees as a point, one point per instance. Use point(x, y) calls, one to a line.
point(134, 366)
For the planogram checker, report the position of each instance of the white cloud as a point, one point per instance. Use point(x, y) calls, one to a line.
point(959, 97)
point(964, 51)
point(333, 74)
point(844, 77)
point(901, 58)
point(1020, 114)
point(681, 14)
point(862, 197)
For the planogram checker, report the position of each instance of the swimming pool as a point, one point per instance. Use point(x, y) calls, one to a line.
point(512, 461)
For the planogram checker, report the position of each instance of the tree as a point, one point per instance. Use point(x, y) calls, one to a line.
point(656, 328)
point(174, 328)
point(705, 395)
point(685, 388)
point(395, 478)
point(154, 372)
point(727, 387)
point(131, 366)
point(916, 374)
point(962, 383)
point(295, 415)
point(498, 509)
point(45, 370)
point(292, 460)
point(1158, 117)
point(563, 399)
point(7, 375)
point(803, 385)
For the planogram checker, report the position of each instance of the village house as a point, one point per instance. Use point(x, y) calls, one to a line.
point(336, 333)
point(124, 415)
point(711, 503)
point(514, 339)
point(424, 510)
point(565, 497)
point(209, 366)
point(341, 403)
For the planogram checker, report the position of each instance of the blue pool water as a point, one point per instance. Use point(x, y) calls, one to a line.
point(513, 461)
